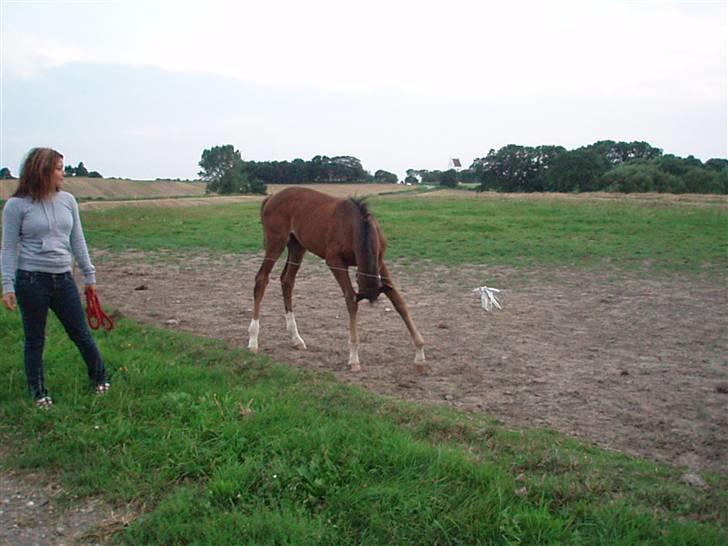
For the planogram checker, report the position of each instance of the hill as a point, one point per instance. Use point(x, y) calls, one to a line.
point(114, 188)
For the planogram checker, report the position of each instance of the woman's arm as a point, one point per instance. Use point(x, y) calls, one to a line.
point(79, 248)
point(12, 218)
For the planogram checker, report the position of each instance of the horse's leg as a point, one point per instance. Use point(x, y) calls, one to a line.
point(342, 277)
point(391, 292)
point(288, 279)
point(273, 249)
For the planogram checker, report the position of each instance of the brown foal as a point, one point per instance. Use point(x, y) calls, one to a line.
point(344, 234)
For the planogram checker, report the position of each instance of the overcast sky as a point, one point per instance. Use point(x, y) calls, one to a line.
point(139, 88)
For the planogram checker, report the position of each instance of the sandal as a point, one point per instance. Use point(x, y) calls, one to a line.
point(102, 388)
point(44, 402)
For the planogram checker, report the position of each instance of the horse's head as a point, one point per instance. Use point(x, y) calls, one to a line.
point(370, 286)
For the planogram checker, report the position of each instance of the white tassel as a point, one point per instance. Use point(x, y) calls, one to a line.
point(487, 297)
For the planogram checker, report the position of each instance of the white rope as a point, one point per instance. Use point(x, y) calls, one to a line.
point(487, 297)
point(299, 264)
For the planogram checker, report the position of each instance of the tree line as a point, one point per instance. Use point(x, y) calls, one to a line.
point(606, 165)
point(603, 166)
point(224, 171)
point(80, 170)
point(68, 170)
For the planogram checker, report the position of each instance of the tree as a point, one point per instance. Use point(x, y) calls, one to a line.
point(717, 164)
point(641, 176)
point(449, 178)
point(413, 176)
point(620, 152)
point(346, 168)
point(385, 177)
point(217, 161)
point(81, 170)
point(577, 170)
point(224, 171)
point(5, 174)
point(429, 177)
point(515, 168)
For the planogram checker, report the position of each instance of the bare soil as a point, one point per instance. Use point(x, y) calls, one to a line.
point(31, 515)
point(647, 198)
point(630, 363)
point(114, 188)
point(168, 192)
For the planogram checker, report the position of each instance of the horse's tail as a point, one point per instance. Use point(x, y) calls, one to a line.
point(367, 249)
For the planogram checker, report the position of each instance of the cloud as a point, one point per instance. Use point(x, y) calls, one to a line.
point(27, 54)
point(461, 49)
point(143, 122)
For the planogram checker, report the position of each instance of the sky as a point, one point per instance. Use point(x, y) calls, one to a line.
point(139, 88)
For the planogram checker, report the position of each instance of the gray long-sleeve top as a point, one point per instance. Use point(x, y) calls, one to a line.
point(43, 236)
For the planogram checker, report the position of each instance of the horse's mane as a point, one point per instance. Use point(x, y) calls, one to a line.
point(368, 248)
point(366, 232)
point(361, 206)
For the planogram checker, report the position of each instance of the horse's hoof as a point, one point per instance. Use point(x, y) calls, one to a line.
point(420, 368)
point(356, 367)
point(253, 348)
point(300, 345)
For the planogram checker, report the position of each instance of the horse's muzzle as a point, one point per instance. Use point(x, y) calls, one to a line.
point(370, 295)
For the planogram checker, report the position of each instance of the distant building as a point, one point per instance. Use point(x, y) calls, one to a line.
point(455, 164)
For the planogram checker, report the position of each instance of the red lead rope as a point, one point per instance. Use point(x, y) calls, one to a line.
point(94, 314)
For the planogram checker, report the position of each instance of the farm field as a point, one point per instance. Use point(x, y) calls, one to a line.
point(613, 332)
point(114, 188)
point(98, 193)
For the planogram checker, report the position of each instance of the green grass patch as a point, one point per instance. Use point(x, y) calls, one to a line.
point(455, 231)
point(215, 445)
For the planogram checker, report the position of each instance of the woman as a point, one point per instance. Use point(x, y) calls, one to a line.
point(42, 234)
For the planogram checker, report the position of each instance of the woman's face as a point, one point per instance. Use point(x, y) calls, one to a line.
point(57, 174)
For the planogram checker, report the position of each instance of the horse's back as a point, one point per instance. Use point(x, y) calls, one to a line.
point(294, 200)
point(310, 215)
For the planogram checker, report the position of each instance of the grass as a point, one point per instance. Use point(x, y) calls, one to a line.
point(461, 231)
point(217, 446)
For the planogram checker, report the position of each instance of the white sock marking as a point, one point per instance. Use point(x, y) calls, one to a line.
point(354, 356)
point(253, 331)
point(292, 328)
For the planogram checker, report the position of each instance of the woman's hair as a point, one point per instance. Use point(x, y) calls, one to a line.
point(36, 179)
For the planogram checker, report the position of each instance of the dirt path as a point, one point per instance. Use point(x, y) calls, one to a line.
point(30, 514)
point(630, 363)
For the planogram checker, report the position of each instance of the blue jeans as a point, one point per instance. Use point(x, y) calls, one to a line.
point(36, 293)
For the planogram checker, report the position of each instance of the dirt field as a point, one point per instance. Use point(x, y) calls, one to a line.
point(113, 188)
point(644, 198)
point(114, 192)
point(338, 190)
point(630, 363)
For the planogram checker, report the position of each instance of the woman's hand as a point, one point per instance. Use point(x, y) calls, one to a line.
point(9, 301)
point(91, 287)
